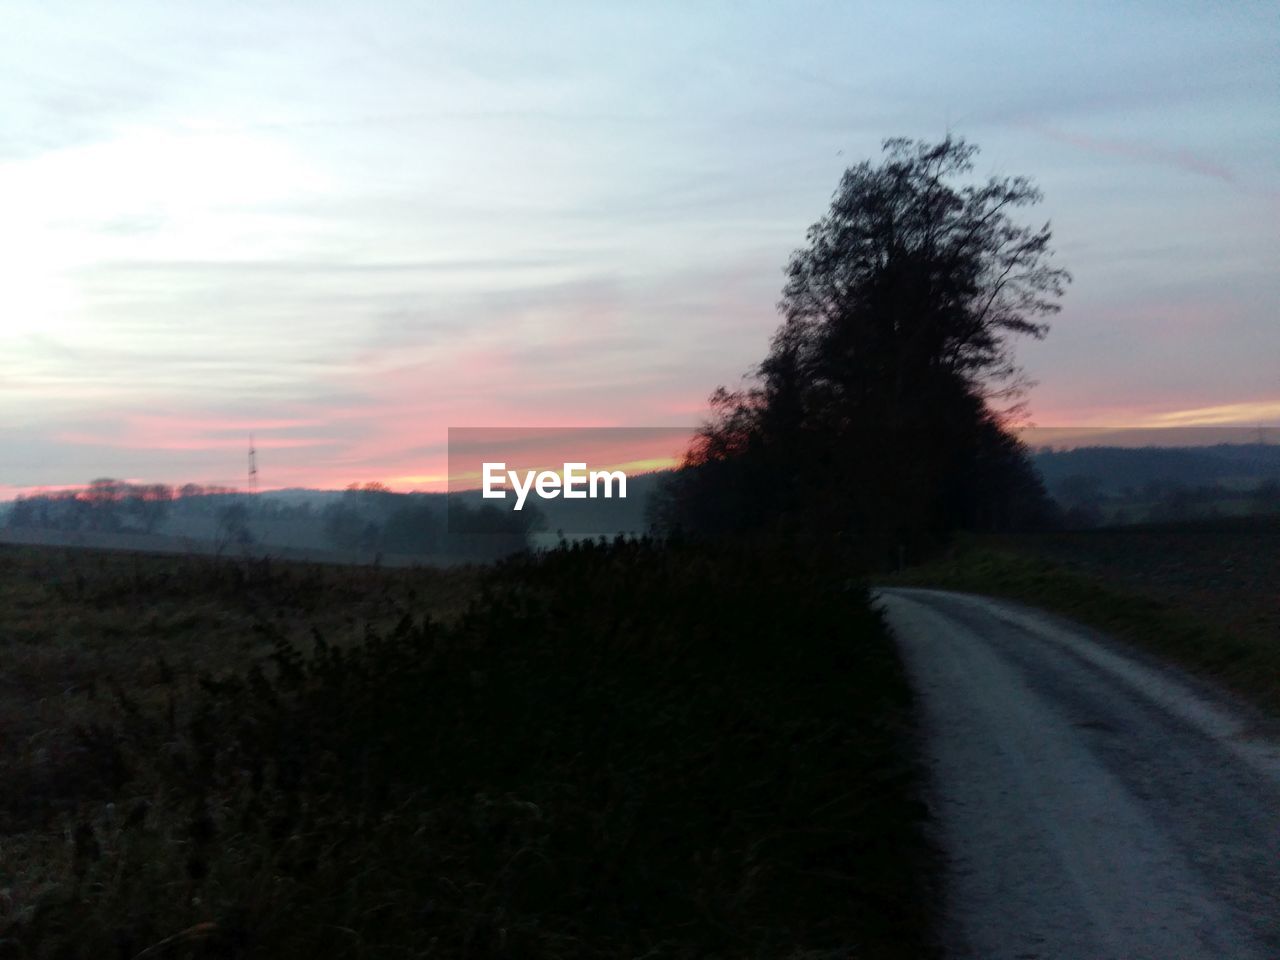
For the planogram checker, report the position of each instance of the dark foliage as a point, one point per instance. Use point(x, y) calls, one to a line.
point(875, 411)
point(108, 505)
point(620, 750)
point(1116, 469)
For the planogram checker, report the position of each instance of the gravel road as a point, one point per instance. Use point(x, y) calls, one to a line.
point(1093, 803)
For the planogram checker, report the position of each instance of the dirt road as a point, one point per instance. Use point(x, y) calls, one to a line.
point(1093, 804)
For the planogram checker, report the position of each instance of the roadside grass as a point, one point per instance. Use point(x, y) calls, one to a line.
point(608, 751)
point(81, 630)
point(1117, 581)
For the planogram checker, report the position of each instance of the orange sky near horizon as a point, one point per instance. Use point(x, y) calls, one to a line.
point(294, 453)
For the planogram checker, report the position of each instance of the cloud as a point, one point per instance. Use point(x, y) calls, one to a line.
point(1252, 412)
point(1177, 158)
point(180, 434)
point(1100, 414)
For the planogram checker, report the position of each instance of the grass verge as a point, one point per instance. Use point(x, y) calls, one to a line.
point(612, 751)
point(1245, 661)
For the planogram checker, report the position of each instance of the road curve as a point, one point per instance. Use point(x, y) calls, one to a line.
point(1092, 803)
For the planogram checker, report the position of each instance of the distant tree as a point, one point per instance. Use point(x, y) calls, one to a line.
point(104, 498)
point(356, 522)
point(345, 527)
point(22, 513)
point(233, 524)
point(485, 531)
point(879, 396)
point(148, 505)
point(414, 527)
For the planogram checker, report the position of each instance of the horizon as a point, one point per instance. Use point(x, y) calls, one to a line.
point(1037, 440)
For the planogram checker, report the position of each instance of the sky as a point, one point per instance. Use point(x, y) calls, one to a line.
point(345, 228)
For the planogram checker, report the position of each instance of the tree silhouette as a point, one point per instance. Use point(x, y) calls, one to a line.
point(877, 400)
point(910, 278)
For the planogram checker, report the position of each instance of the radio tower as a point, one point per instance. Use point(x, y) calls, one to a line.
point(253, 466)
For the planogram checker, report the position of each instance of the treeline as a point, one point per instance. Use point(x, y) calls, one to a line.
point(1089, 501)
point(116, 506)
point(1117, 469)
point(1097, 486)
point(880, 413)
point(108, 505)
point(362, 522)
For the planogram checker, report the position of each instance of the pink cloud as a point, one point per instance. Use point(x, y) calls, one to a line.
point(1179, 158)
point(1167, 411)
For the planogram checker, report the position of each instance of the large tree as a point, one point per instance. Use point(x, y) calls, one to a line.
point(912, 279)
point(887, 387)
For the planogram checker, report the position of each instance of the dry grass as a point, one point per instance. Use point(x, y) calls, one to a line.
point(612, 751)
point(88, 635)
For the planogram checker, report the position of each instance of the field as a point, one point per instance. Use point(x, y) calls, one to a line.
point(1205, 593)
point(611, 751)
